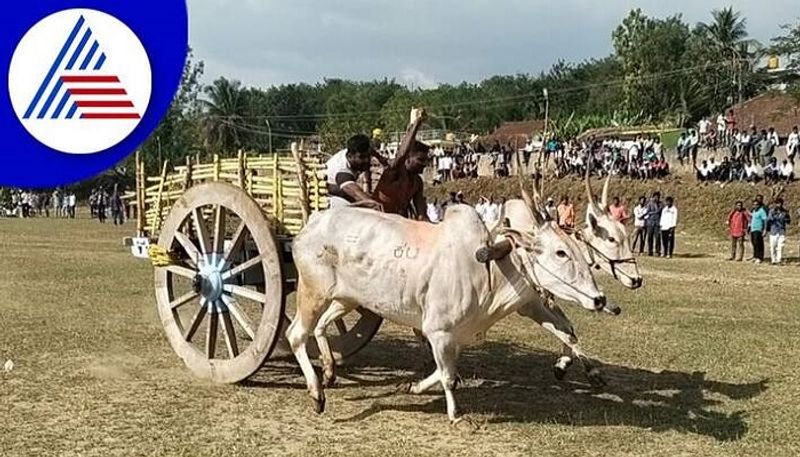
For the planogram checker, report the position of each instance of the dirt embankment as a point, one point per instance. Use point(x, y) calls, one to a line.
point(703, 209)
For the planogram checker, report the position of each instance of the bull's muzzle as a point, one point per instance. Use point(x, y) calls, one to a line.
point(637, 282)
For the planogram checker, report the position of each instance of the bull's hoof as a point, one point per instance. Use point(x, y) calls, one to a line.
point(466, 422)
point(319, 404)
point(596, 378)
point(561, 366)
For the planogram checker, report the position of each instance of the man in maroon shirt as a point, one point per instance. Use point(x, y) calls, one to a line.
point(738, 223)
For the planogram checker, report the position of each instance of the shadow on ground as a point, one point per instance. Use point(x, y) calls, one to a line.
point(510, 384)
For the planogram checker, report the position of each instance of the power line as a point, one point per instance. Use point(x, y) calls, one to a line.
point(497, 101)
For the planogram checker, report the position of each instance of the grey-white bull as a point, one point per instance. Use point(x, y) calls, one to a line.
point(605, 244)
point(427, 277)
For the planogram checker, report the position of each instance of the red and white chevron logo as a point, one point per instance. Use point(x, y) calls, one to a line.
point(90, 91)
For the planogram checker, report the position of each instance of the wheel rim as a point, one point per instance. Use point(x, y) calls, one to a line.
point(222, 240)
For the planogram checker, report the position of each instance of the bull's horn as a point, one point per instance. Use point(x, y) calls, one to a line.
point(589, 192)
point(495, 251)
point(604, 201)
point(529, 202)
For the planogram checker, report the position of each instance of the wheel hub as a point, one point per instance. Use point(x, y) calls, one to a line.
point(209, 283)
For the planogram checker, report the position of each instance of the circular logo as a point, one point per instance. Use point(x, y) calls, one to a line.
point(80, 81)
point(88, 81)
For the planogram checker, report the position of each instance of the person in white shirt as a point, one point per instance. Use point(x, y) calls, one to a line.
point(343, 170)
point(480, 207)
point(721, 127)
point(491, 211)
point(702, 171)
point(786, 171)
point(639, 213)
point(744, 143)
point(434, 211)
point(702, 126)
point(793, 145)
point(72, 202)
point(751, 172)
point(694, 143)
point(669, 220)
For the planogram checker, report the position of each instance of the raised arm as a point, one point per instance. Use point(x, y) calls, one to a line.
point(407, 143)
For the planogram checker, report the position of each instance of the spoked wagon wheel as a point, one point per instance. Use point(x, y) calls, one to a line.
point(227, 281)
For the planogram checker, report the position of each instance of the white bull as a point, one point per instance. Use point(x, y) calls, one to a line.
point(427, 277)
point(605, 245)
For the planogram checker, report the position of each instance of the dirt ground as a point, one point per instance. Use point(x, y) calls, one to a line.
point(701, 362)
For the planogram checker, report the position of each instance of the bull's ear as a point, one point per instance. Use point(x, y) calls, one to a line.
point(593, 223)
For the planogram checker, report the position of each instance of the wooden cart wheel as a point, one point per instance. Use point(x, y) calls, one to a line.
point(222, 238)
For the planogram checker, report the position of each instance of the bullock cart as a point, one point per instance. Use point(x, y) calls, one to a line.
point(219, 235)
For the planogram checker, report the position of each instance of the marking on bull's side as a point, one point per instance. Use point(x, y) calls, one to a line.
point(405, 251)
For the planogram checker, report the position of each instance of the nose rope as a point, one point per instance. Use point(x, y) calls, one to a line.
point(612, 262)
point(536, 278)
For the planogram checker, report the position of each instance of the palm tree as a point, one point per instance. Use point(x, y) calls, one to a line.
point(224, 107)
point(728, 38)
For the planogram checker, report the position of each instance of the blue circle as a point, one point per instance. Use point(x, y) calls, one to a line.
point(162, 27)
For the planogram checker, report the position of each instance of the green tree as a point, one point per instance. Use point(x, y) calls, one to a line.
point(225, 109)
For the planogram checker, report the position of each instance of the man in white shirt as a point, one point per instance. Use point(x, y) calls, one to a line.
point(491, 211)
point(793, 145)
point(786, 171)
point(640, 232)
point(694, 142)
point(669, 220)
point(702, 126)
point(343, 171)
point(721, 127)
point(73, 201)
point(480, 207)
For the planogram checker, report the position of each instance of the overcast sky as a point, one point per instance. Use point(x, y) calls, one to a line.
point(426, 42)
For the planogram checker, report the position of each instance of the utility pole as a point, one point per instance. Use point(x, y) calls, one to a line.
point(544, 133)
point(269, 132)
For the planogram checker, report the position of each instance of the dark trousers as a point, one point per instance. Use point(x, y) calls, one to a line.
point(116, 214)
point(757, 239)
point(653, 239)
point(101, 213)
point(737, 247)
point(668, 239)
point(638, 237)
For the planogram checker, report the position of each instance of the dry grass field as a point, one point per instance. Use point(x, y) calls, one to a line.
point(702, 362)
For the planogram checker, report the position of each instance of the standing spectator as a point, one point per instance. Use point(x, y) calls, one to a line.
point(480, 208)
point(640, 233)
point(116, 207)
point(667, 223)
point(793, 145)
point(101, 202)
point(652, 220)
point(73, 201)
point(738, 221)
point(492, 211)
point(778, 222)
point(550, 209)
point(56, 203)
point(618, 210)
point(758, 227)
point(721, 128)
point(566, 214)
